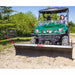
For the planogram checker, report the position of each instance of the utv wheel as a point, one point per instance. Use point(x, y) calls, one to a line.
point(65, 40)
point(34, 41)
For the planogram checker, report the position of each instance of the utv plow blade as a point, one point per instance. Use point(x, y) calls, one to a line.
point(21, 48)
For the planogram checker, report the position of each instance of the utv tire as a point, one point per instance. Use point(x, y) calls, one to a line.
point(33, 41)
point(65, 40)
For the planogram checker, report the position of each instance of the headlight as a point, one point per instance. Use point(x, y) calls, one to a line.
point(60, 29)
point(47, 31)
point(36, 30)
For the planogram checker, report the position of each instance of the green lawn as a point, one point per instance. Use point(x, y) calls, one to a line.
point(7, 44)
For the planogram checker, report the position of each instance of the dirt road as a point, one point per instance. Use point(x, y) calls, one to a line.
point(8, 59)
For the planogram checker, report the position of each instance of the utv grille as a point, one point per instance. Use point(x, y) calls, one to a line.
point(47, 31)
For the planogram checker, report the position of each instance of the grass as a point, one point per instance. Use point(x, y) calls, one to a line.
point(7, 44)
point(72, 35)
point(17, 39)
point(4, 47)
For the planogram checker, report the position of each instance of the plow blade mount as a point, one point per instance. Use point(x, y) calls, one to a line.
point(23, 48)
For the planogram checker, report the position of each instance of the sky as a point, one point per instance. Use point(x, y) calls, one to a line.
point(35, 10)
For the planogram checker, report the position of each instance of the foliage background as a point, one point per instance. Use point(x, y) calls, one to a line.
point(24, 23)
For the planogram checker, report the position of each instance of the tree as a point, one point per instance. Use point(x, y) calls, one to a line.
point(1, 11)
point(0, 16)
point(71, 24)
point(25, 23)
point(48, 7)
point(9, 11)
point(72, 27)
point(6, 11)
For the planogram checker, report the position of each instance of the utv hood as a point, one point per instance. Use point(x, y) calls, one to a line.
point(53, 28)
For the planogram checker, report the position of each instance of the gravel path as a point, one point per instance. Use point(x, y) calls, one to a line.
point(9, 60)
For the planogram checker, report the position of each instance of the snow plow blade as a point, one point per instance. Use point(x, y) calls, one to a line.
point(22, 48)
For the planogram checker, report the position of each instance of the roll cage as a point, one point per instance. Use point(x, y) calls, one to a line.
point(55, 10)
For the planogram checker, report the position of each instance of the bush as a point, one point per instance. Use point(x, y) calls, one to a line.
point(71, 27)
point(7, 26)
point(4, 28)
point(25, 23)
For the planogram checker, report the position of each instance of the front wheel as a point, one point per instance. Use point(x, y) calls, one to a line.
point(65, 40)
point(34, 41)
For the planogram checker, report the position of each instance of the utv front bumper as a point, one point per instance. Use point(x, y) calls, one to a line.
point(54, 38)
point(47, 34)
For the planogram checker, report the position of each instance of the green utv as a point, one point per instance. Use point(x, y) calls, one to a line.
point(49, 34)
point(52, 32)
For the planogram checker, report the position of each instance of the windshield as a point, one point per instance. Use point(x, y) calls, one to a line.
point(48, 22)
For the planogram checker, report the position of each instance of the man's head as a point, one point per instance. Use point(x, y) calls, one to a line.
point(61, 17)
